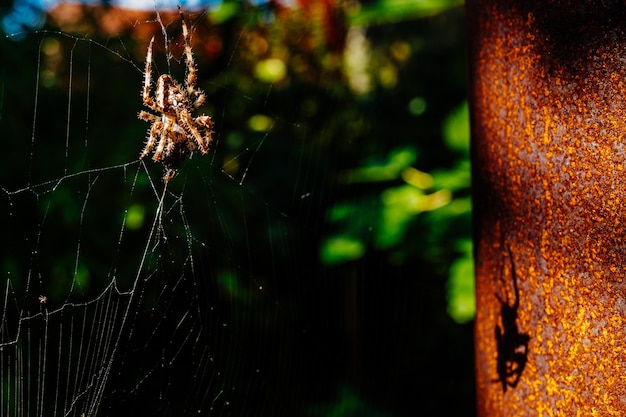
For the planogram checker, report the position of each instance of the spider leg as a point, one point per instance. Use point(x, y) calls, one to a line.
point(194, 93)
point(166, 131)
point(193, 127)
point(203, 143)
point(201, 98)
point(206, 124)
point(157, 127)
point(147, 78)
point(158, 153)
point(148, 117)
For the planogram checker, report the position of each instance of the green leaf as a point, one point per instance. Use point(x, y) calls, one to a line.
point(270, 70)
point(456, 129)
point(338, 249)
point(224, 12)
point(389, 11)
point(135, 216)
point(461, 297)
point(400, 205)
point(457, 178)
point(396, 162)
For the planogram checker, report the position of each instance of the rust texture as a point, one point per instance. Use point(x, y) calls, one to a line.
point(548, 109)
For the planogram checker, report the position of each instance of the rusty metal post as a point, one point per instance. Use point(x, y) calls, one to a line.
point(548, 106)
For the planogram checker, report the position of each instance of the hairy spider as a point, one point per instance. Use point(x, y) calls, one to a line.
point(174, 130)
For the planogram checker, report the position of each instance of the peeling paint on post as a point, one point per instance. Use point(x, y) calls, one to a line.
point(548, 106)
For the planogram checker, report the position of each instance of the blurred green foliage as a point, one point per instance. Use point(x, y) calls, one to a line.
point(392, 11)
point(348, 403)
point(461, 299)
point(392, 210)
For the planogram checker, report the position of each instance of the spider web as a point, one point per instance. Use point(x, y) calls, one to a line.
point(206, 295)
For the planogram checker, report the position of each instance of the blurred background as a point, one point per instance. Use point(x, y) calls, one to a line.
point(317, 262)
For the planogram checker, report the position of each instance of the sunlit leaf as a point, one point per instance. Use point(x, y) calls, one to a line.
point(457, 178)
point(461, 298)
point(417, 178)
point(260, 123)
point(389, 11)
point(224, 12)
point(456, 129)
point(270, 70)
point(400, 206)
point(135, 216)
point(398, 160)
point(341, 249)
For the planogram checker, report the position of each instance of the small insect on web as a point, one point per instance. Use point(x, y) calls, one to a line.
point(174, 131)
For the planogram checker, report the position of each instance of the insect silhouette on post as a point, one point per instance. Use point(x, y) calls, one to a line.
point(512, 345)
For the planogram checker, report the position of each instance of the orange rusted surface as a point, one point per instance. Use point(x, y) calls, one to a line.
point(548, 106)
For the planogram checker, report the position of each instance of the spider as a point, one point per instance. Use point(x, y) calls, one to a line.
point(174, 131)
